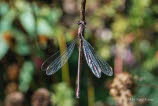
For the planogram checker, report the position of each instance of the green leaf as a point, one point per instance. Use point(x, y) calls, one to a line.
point(62, 98)
point(143, 91)
point(52, 15)
point(7, 20)
point(150, 64)
point(153, 97)
point(3, 8)
point(55, 15)
point(28, 22)
point(26, 76)
point(119, 26)
point(43, 27)
point(3, 47)
point(21, 47)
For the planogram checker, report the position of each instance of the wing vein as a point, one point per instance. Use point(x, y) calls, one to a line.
point(98, 64)
point(55, 65)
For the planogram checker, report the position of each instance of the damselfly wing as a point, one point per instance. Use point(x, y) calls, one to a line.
point(52, 66)
point(96, 64)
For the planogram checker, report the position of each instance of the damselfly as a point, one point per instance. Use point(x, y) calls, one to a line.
point(96, 64)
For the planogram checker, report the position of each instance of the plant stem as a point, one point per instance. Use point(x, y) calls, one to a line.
point(82, 12)
point(81, 29)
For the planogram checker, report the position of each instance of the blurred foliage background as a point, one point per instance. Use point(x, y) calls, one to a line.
point(123, 32)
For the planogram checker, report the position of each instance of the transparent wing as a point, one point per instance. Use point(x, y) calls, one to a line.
point(105, 67)
point(91, 59)
point(53, 65)
point(94, 62)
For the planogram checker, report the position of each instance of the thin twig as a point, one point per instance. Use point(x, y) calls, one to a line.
point(81, 29)
point(82, 12)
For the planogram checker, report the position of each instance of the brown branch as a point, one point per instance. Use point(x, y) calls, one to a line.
point(82, 22)
point(82, 12)
point(81, 29)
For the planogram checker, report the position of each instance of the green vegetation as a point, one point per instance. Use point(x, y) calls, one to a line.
point(123, 32)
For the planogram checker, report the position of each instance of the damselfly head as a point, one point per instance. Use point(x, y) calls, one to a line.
point(81, 23)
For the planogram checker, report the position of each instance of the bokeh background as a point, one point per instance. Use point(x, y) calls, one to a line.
point(123, 32)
